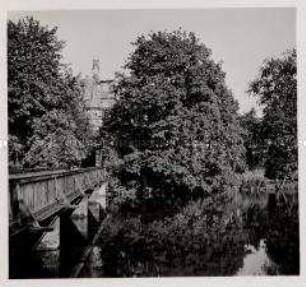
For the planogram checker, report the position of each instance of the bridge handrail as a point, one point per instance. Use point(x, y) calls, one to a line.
point(43, 175)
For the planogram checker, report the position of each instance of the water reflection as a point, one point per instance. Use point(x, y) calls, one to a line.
point(273, 240)
point(282, 239)
point(94, 266)
point(28, 262)
point(256, 261)
point(266, 245)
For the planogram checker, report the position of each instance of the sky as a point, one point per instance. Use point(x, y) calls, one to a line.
point(239, 37)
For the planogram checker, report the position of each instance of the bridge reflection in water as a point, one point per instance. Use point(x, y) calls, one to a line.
point(53, 218)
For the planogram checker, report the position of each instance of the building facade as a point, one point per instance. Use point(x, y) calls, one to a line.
point(98, 95)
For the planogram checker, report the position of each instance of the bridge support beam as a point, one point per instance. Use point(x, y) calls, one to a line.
point(97, 203)
point(79, 217)
point(51, 239)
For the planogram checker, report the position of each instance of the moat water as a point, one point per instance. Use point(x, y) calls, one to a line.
point(271, 247)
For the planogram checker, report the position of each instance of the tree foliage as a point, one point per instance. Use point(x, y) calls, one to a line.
point(253, 141)
point(276, 87)
point(47, 122)
point(175, 126)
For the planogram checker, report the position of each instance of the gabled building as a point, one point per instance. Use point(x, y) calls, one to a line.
point(98, 95)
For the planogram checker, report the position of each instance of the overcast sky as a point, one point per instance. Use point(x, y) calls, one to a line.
point(241, 37)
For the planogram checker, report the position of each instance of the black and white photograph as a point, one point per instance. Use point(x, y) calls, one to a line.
point(152, 143)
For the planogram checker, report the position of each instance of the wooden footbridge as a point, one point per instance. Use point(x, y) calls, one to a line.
point(41, 204)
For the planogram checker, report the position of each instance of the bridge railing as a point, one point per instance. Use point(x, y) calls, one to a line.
point(44, 193)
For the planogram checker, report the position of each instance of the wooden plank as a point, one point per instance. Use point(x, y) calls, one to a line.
point(47, 191)
point(26, 194)
point(36, 203)
point(71, 184)
point(66, 184)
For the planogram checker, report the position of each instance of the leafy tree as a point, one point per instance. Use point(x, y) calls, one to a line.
point(47, 122)
point(276, 87)
point(253, 141)
point(175, 126)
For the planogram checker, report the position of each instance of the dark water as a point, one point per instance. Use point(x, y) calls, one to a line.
point(267, 243)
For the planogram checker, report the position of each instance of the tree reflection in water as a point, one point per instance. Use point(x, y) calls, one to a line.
point(279, 228)
point(196, 243)
point(282, 238)
point(191, 243)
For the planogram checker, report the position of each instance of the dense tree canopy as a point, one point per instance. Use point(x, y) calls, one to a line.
point(276, 87)
point(175, 126)
point(48, 126)
point(253, 141)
